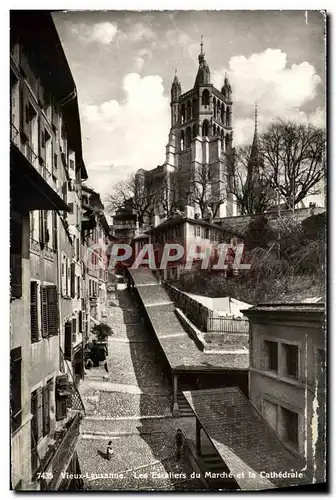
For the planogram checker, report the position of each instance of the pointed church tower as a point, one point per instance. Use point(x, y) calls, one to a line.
point(175, 94)
point(255, 162)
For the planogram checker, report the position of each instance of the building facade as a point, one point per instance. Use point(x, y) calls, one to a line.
point(95, 236)
point(287, 376)
point(46, 409)
point(200, 140)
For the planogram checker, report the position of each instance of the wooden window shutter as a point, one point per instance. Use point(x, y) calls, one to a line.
point(41, 228)
point(67, 340)
point(36, 411)
point(44, 311)
point(45, 227)
point(33, 312)
point(54, 235)
point(69, 278)
point(23, 112)
point(46, 410)
point(80, 322)
point(52, 310)
point(41, 140)
point(72, 280)
point(15, 388)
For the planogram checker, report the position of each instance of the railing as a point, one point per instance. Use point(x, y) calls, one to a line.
point(30, 154)
point(76, 402)
point(204, 318)
point(222, 324)
point(63, 450)
point(196, 312)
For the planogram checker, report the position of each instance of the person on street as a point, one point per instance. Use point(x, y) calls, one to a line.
point(109, 450)
point(179, 443)
point(105, 366)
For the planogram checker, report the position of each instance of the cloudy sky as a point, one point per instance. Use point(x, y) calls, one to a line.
point(123, 63)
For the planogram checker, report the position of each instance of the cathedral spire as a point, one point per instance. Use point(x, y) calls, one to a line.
point(255, 143)
point(255, 162)
point(203, 74)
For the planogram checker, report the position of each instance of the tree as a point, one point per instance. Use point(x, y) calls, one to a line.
point(293, 156)
point(134, 195)
point(249, 181)
point(206, 190)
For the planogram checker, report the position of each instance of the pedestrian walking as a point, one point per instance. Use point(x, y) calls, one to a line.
point(109, 450)
point(179, 443)
point(105, 366)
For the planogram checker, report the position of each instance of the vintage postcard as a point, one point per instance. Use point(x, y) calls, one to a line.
point(168, 250)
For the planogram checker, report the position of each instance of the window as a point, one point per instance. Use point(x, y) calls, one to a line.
point(71, 205)
point(46, 408)
point(205, 98)
point(16, 256)
point(290, 421)
point(291, 360)
point(34, 323)
point(205, 128)
point(44, 232)
point(271, 352)
point(72, 164)
point(15, 388)
point(49, 310)
point(198, 231)
point(207, 233)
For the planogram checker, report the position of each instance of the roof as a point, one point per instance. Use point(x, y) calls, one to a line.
point(243, 439)
point(286, 307)
point(179, 219)
point(180, 350)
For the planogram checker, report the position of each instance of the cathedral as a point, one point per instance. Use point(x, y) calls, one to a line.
point(197, 169)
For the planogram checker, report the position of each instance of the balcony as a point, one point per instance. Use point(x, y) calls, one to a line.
point(60, 453)
point(32, 184)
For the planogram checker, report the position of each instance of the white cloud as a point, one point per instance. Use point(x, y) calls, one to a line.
point(279, 89)
point(130, 133)
point(103, 32)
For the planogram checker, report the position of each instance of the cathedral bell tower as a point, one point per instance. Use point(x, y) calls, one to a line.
point(201, 133)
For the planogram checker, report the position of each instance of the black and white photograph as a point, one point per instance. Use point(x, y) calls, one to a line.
point(168, 244)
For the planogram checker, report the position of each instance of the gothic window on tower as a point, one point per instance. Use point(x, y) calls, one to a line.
point(205, 97)
point(188, 110)
point(182, 113)
point(182, 140)
point(227, 117)
point(194, 107)
point(188, 137)
point(194, 131)
point(218, 108)
point(222, 113)
point(214, 130)
point(205, 128)
point(214, 107)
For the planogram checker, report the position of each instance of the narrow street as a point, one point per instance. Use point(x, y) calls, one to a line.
point(133, 410)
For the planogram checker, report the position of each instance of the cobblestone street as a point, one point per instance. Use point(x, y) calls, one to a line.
point(133, 410)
